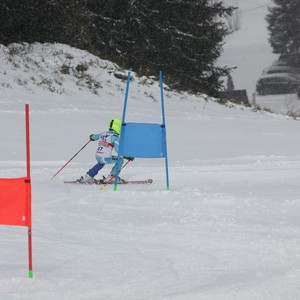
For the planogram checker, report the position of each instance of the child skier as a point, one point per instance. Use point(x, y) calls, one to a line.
point(108, 141)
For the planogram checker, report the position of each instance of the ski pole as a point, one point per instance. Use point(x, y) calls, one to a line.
point(113, 177)
point(69, 160)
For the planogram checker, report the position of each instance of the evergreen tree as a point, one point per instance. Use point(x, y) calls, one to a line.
point(284, 27)
point(181, 37)
point(43, 21)
point(14, 21)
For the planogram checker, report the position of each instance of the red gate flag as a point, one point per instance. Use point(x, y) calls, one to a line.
point(15, 198)
point(15, 201)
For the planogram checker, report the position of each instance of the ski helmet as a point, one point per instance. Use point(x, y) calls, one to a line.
point(115, 124)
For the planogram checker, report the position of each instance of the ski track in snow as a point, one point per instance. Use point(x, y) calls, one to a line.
point(225, 227)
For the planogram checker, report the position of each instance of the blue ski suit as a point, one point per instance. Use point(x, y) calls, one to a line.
point(107, 142)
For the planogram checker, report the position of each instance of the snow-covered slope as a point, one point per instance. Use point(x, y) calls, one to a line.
point(227, 229)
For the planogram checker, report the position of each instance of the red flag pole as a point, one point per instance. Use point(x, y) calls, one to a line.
point(27, 140)
point(30, 272)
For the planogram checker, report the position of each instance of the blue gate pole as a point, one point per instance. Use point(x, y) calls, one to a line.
point(164, 126)
point(126, 98)
point(123, 124)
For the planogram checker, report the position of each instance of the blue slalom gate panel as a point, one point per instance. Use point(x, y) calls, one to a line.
point(143, 140)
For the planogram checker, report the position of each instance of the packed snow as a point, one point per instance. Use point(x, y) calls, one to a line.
point(228, 228)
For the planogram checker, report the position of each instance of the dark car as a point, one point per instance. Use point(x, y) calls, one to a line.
point(293, 71)
point(280, 83)
point(278, 69)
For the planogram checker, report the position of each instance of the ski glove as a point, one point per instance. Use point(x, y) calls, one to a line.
point(92, 138)
point(129, 158)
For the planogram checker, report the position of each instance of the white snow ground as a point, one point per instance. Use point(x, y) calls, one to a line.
point(228, 228)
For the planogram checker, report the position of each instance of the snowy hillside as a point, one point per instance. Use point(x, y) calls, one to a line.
point(227, 229)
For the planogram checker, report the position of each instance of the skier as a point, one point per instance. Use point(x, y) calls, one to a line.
point(108, 141)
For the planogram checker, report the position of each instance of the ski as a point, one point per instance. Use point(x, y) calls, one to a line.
point(100, 181)
point(147, 181)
